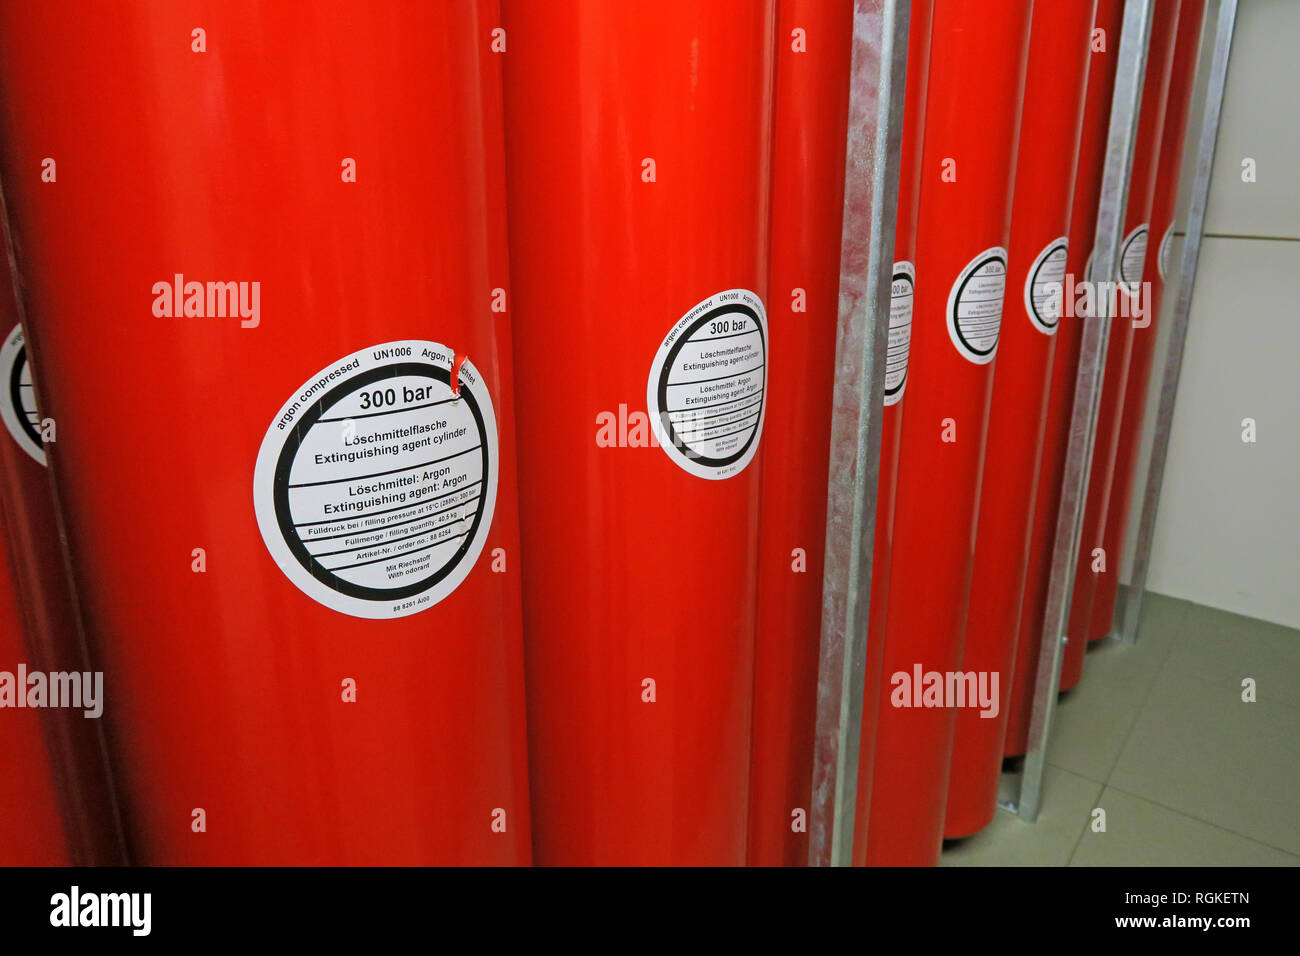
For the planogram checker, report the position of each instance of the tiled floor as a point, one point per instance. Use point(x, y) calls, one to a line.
point(1157, 735)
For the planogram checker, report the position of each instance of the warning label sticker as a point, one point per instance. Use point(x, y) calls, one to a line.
point(902, 292)
point(376, 482)
point(1166, 250)
point(1045, 286)
point(1133, 256)
point(707, 390)
point(975, 305)
point(18, 398)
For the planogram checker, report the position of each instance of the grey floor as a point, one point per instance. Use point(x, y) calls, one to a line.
point(1157, 735)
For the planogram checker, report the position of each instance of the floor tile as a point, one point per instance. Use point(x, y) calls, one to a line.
point(1009, 841)
point(1221, 647)
point(1141, 833)
point(1095, 718)
point(1199, 750)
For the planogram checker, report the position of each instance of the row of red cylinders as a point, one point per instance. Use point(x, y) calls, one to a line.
point(580, 205)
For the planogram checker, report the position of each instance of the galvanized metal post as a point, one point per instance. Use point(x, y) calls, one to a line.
point(1129, 611)
point(880, 33)
point(1130, 71)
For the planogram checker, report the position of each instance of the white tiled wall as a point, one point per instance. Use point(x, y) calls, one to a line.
point(1228, 533)
point(1261, 121)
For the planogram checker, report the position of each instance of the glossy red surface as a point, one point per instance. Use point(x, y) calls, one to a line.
point(31, 824)
point(43, 630)
point(977, 69)
point(1129, 427)
point(1055, 83)
point(811, 103)
point(1141, 196)
point(224, 686)
point(1065, 362)
point(636, 569)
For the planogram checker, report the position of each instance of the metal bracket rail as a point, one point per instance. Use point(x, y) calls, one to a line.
point(1128, 612)
point(877, 83)
point(1130, 70)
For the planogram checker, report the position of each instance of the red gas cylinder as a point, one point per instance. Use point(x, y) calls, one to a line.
point(814, 49)
point(902, 298)
point(1055, 83)
point(1129, 431)
point(638, 160)
point(31, 823)
point(1056, 426)
point(45, 628)
point(330, 672)
point(977, 70)
point(1094, 561)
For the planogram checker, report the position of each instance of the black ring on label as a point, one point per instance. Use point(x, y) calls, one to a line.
point(891, 392)
point(1033, 281)
point(667, 368)
point(15, 396)
point(956, 304)
point(284, 466)
point(1137, 233)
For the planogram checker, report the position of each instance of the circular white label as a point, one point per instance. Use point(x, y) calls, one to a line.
point(1045, 286)
point(902, 292)
point(1133, 256)
point(707, 390)
point(975, 305)
point(18, 398)
point(1166, 250)
point(376, 482)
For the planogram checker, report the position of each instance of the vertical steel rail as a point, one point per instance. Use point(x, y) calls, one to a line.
point(880, 32)
point(1129, 614)
point(1125, 105)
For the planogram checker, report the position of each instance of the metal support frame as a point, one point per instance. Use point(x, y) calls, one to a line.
point(1128, 614)
point(1130, 71)
point(878, 80)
